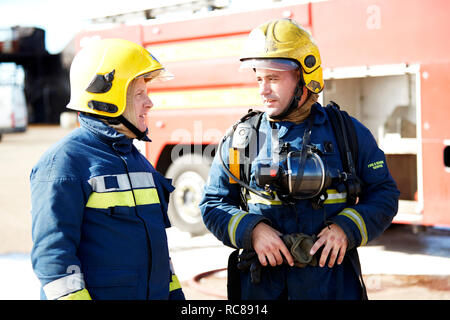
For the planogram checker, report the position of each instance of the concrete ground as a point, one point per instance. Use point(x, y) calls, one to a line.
point(399, 265)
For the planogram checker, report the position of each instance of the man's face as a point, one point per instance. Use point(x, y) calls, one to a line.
point(142, 103)
point(276, 89)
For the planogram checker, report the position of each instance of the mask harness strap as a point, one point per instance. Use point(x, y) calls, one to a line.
point(317, 202)
point(303, 155)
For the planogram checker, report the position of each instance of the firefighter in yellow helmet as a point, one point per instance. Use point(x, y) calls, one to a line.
point(99, 208)
point(102, 78)
point(286, 189)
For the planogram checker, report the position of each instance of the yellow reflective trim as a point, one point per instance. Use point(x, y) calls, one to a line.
point(122, 198)
point(353, 215)
point(335, 197)
point(174, 283)
point(232, 226)
point(79, 295)
point(146, 196)
point(256, 199)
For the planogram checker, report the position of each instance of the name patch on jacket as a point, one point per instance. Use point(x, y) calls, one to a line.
point(376, 165)
point(137, 188)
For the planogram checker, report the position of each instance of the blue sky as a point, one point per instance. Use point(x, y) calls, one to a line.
point(61, 19)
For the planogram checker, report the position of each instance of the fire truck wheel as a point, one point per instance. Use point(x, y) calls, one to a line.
point(189, 174)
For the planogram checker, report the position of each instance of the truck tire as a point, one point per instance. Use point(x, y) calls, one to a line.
point(189, 174)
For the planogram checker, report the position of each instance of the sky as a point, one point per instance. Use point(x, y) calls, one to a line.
point(61, 19)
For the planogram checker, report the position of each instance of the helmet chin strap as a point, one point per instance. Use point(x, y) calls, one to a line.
point(296, 97)
point(138, 133)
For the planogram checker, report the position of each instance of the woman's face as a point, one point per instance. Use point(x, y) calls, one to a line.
point(142, 104)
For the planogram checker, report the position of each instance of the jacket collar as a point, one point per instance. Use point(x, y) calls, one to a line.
point(107, 134)
point(320, 114)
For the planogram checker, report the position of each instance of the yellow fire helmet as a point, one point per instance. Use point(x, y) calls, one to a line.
point(277, 44)
point(101, 72)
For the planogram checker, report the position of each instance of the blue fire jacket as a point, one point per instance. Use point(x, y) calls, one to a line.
point(99, 213)
point(362, 222)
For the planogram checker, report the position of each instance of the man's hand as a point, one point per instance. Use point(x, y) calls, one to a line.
point(335, 241)
point(269, 247)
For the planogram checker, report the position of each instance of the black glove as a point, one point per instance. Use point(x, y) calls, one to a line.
point(248, 261)
point(299, 245)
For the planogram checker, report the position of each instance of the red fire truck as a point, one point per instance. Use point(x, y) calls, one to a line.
point(386, 62)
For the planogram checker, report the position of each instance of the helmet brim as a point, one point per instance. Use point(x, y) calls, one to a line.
point(159, 75)
point(269, 63)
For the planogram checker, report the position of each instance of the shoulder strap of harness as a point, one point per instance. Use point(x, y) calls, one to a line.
point(347, 140)
point(253, 117)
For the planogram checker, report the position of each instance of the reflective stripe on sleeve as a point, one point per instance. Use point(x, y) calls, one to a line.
point(353, 215)
point(174, 283)
point(79, 295)
point(233, 224)
point(63, 286)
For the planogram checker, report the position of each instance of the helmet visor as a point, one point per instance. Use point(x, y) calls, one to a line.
point(271, 64)
point(159, 75)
